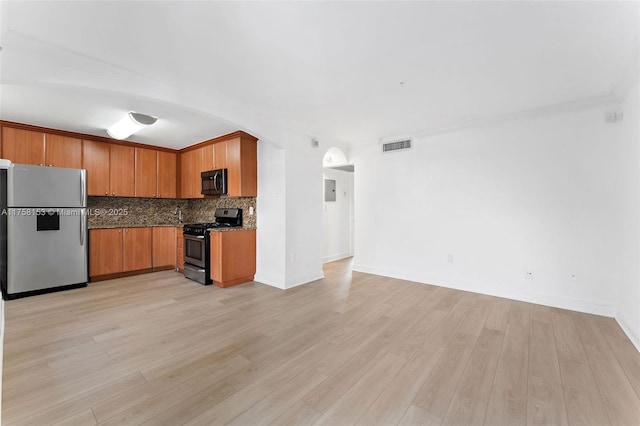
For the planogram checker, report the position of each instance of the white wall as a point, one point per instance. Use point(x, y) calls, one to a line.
point(540, 194)
point(289, 231)
point(304, 216)
point(337, 217)
point(271, 215)
point(628, 313)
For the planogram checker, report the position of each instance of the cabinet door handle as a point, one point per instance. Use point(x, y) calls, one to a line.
point(106, 193)
point(113, 194)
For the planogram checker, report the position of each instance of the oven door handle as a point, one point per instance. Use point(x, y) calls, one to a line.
point(193, 237)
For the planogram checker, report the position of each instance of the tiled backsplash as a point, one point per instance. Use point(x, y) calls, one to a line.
point(113, 212)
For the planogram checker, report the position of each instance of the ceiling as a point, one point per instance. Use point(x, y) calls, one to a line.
point(319, 68)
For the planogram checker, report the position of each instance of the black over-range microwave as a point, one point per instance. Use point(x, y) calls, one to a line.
point(214, 182)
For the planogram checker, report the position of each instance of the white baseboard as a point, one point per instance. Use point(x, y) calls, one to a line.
point(474, 287)
point(270, 281)
point(334, 257)
point(303, 280)
point(290, 283)
point(635, 339)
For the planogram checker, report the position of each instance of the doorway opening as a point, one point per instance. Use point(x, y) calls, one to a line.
point(338, 206)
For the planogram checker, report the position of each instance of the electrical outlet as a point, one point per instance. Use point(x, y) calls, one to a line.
point(450, 258)
point(251, 210)
point(528, 275)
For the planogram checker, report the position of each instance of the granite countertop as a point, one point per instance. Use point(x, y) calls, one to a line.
point(131, 226)
point(248, 228)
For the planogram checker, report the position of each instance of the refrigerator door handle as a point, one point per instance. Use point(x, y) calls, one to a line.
point(83, 223)
point(83, 187)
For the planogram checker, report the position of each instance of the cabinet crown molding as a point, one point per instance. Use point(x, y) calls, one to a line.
point(237, 134)
point(82, 136)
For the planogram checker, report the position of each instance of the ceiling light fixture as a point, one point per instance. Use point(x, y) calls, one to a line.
point(129, 124)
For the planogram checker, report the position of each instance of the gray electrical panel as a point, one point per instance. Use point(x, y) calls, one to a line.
point(329, 189)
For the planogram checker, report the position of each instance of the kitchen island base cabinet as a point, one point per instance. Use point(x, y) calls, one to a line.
point(233, 257)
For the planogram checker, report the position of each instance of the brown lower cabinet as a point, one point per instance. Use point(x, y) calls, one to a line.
point(164, 247)
point(105, 252)
point(233, 257)
point(126, 251)
point(119, 252)
point(180, 249)
point(136, 251)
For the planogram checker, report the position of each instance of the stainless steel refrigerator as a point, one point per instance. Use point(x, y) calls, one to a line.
point(43, 229)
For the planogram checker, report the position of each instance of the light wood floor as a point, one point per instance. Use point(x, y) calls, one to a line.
point(349, 349)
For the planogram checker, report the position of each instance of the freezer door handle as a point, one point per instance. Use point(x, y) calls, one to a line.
point(83, 187)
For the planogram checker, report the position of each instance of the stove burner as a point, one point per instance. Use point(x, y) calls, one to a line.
point(203, 225)
point(224, 218)
point(208, 225)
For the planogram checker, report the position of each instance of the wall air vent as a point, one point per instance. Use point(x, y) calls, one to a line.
point(396, 145)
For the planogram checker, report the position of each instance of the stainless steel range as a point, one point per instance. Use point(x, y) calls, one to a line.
point(197, 244)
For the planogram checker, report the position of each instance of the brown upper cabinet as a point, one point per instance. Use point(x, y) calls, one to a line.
point(23, 146)
point(43, 149)
point(237, 154)
point(122, 171)
point(167, 162)
point(220, 155)
point(95, 158)
point(190, 163)
point(242, 165)
point(62, 151)
point(146, 180)
point(110, 169)
point(155, 173)
point(207, 158)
